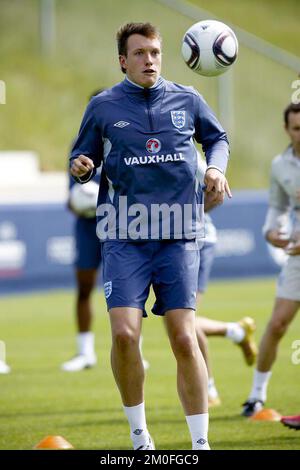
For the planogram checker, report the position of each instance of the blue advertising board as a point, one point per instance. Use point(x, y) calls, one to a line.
point(37, 246)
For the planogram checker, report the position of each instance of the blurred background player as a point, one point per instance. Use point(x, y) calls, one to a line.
point(87, 263)
point(284, 204)
point(241, 333)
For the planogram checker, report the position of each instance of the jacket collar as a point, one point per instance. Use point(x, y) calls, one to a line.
point(139, 93)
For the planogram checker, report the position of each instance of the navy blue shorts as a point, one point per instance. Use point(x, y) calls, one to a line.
point(207, 254)
point(88, 247)
point(129, 269)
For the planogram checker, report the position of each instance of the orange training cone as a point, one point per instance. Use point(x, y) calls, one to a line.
point(266, 414)
point(54, 443)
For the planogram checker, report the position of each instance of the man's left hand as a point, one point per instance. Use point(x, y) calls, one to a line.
point(217, 184)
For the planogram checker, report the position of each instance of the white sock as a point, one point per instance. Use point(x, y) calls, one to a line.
point(260, 385)
point(198, 426)
point(212, 390)
point(137, 421)
point(85, 343)
point(235, 332)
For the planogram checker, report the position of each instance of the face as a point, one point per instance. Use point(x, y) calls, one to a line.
point(143, 61)
point(293, 129)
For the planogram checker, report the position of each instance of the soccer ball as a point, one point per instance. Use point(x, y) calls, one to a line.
point(83, 199)
point(209, 48)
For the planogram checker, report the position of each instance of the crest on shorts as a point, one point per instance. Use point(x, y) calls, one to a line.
point(178, 119)
point(107, 289)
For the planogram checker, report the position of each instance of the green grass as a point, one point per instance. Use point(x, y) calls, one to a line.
point(261, 18)
point(47, 96)
point(37, 399)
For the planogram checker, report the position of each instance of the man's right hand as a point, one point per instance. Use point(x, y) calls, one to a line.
point(81, 166)
point(277, 238)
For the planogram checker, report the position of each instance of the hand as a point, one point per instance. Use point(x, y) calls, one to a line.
point(216, 186)
point(277, 238)
point(81, 166)
point(209, 200)
point(293, 248)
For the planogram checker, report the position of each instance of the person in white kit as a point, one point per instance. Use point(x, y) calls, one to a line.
point(284, 203)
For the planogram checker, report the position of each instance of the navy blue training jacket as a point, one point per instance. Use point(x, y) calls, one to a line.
point(145, 139)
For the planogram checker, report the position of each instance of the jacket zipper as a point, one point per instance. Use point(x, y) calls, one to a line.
point(146, 92)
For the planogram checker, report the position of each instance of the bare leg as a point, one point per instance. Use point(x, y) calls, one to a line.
point(203, 345)
point(86, 280)
point(209, 327)
point(202, 340)
point(126, 358)
point(212, 327)
point(283, 313)
point(191, 368)
point(213, 396)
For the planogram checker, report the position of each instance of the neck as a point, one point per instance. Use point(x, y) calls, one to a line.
point(296, 150)
point(140, 86)
point(133, 83)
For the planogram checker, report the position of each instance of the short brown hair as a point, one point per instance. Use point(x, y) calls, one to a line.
point(144, 29)
point(291, 108)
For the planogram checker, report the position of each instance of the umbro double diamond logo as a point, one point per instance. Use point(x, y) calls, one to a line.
point(201, 441)
point(121, 124)
point(138, 432)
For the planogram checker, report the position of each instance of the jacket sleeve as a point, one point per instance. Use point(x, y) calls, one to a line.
point(278, 212)
point(88, 142)
point(210, 134)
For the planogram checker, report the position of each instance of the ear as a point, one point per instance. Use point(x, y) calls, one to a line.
point(123, 61)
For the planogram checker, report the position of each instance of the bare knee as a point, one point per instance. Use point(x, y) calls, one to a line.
point(84, 291)
point(283, 313)
point(125, 338)
point(277, 328)
point(184, 345)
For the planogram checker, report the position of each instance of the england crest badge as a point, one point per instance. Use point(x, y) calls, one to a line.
point(107, 289)
point(178, 119)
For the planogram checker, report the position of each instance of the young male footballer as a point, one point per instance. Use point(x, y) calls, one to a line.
point(150, 214)
point(284, 204)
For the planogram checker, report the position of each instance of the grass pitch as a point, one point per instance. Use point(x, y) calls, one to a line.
point(37, 399)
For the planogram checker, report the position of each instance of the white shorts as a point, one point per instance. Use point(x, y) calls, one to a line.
point(288, 286)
